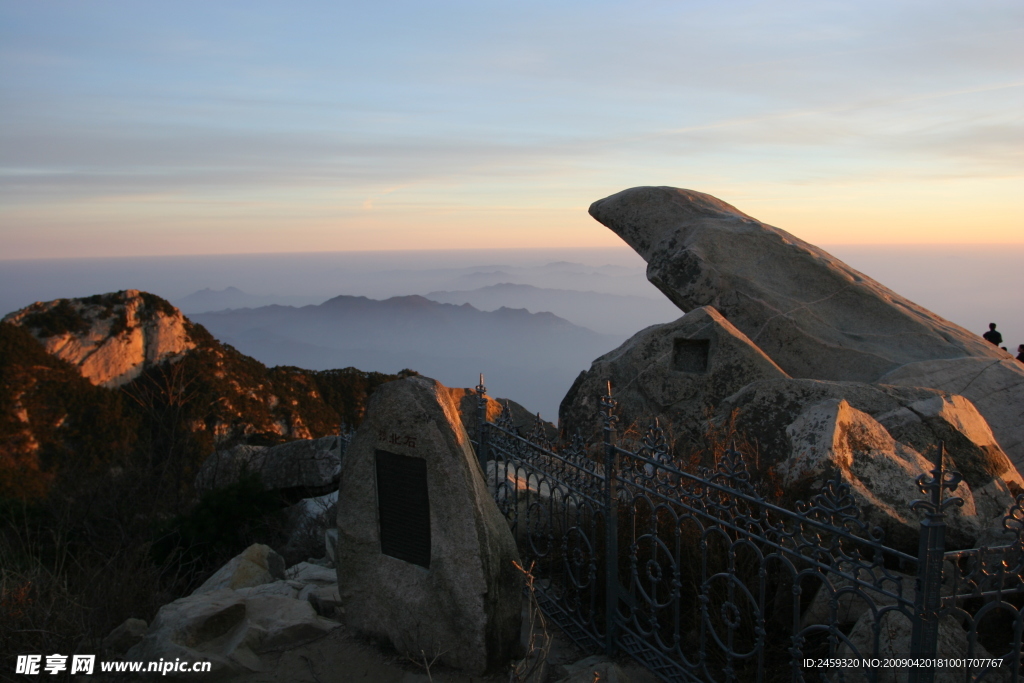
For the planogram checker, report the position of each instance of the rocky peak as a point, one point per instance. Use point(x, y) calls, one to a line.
point(111, 338)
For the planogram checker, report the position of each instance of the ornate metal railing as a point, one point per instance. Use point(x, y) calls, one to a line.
point(700, 578)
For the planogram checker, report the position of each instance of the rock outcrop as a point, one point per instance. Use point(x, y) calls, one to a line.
point(301, 468)
point(246, 609)
point(425, 559)
point(111, 338)
point(672, 372)
point(466, 402)
point(832, 438)
point(811, 314)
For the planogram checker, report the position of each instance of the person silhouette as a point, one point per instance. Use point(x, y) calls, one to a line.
point(1020, 352)
point(992, 336)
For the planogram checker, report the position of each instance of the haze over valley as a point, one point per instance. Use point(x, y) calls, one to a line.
point(575, 305)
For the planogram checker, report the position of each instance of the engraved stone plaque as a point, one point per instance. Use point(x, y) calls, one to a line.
point(420, 540)
point(403, 507)
point(690, 355)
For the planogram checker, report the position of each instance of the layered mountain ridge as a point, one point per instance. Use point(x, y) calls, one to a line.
point(118, 376)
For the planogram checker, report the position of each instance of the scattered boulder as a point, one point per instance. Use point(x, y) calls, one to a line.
point(811, 314)
point(308, 573)
point(831, 438)
point(110, 338)
point(208, 626)
point(230, 629)
point(325, 599)
point(297, 469)
point(995, 388)
point(425, 559)
point(248, 608)
point(256, 565)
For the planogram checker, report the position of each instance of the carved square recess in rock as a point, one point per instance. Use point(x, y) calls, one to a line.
point(690, 355)
point(403, 507)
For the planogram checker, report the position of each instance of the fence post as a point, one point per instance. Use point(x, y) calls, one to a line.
point(611, 502)
point(481, 431)
point(930, 551)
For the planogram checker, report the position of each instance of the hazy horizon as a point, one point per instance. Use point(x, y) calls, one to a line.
point(968, 285)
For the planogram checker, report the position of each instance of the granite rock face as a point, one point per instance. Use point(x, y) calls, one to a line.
point(811, 314)
point(879, 439)
point(111, 338)
point(996, 388)
point(672, 372)
point(832, 438)
point(457, 592)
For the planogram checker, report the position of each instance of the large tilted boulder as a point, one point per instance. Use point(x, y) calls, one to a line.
point(425, 559)
point(230, 629)
point(811, 314)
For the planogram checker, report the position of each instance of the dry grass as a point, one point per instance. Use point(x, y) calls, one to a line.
point(76, 564)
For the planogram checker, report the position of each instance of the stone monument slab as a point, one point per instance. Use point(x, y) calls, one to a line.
point(424, 557)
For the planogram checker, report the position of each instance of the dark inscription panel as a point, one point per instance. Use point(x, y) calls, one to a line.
point(690, 355)
point(403, 507)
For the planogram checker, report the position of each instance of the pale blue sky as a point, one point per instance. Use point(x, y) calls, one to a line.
point(195, 127)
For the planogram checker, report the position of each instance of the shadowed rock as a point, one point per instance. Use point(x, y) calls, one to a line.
point(304, 467)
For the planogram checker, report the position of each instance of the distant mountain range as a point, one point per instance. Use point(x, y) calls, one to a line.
point(612, 314)
point(208, 299)
point(531, 357)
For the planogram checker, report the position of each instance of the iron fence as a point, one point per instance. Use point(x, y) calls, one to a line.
point(700, 578)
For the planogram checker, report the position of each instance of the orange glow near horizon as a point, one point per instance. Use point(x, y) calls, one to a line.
point(946, 213)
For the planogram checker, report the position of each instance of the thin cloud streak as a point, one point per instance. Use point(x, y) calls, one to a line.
point(134, 116)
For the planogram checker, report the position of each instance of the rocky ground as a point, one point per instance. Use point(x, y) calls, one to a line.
point(341, 656)
point(257, 622)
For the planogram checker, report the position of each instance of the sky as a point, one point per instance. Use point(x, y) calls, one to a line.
point(144, 128)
